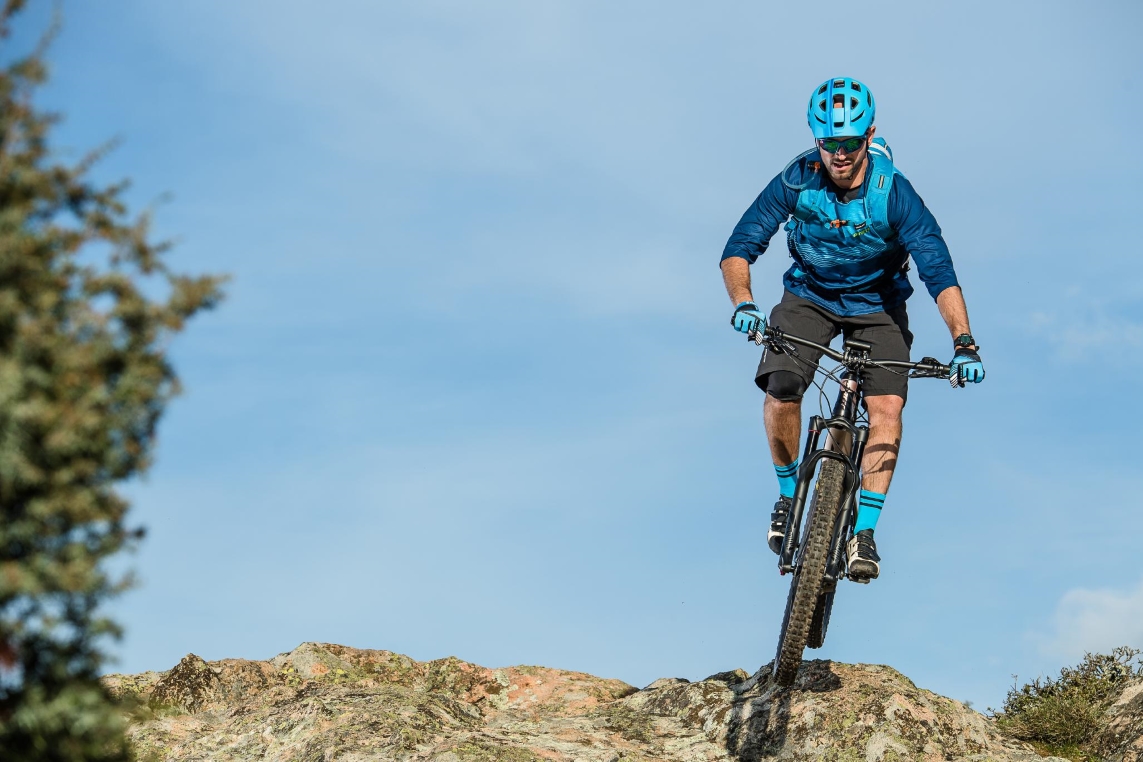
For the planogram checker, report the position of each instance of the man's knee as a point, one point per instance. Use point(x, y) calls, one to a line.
point(884, 407)
point(785, 385)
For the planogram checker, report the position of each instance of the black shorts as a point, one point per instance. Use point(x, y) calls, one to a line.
point(888, 333)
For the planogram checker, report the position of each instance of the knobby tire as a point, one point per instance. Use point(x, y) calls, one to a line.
point(806, 586)
point(820, 621)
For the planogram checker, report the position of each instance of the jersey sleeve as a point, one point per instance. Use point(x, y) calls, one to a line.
point(920, 234)
point(760, 222)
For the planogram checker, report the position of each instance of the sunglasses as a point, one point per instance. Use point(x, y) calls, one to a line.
point(831, 145)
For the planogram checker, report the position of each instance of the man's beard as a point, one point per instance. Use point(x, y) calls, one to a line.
point(849, 172)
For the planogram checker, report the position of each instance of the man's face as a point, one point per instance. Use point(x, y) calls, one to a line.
point(843, 167)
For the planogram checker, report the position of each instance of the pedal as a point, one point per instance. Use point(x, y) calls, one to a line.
point(859, 580)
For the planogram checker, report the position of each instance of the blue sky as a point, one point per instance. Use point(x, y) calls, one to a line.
point(474, 390)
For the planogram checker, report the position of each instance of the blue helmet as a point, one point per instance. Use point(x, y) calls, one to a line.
point(840, 107)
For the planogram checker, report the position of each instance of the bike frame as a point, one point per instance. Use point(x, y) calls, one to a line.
point(845, 441)
point(838, 438)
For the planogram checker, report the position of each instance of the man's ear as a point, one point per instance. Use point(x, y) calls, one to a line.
point(872, 131)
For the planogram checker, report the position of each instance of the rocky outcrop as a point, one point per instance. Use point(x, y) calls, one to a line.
point(325, 702)
point(1121, 739)
point(191, 685)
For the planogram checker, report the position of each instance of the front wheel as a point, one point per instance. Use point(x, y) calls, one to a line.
point(806, 586)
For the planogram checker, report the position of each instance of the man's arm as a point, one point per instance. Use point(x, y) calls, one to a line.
point(951, 304)
point(736, 276)
point(921, 236)
point(752, 234)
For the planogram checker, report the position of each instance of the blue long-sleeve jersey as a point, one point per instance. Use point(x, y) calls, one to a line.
point(859, 284)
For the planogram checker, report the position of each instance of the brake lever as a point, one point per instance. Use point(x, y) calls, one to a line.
point(934, 369)
point(956, 380)
point(775, 340)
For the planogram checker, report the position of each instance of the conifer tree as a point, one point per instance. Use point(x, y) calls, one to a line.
point(87, 306)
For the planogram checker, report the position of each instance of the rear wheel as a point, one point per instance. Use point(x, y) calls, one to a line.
point(820, 622)
point(806, 586)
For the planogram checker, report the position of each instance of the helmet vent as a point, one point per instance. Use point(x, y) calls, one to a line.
point(856, 87)
point(839, 83)
point(823, 89)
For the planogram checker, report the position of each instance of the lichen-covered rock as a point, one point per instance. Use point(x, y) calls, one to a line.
point(1121, 739)
point(327, 702)
point(835, 713)
point(129, 687)
point(191, 685)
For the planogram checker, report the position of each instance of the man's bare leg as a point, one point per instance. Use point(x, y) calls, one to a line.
point(783, 429)
point(884, 441)
point(877, 466)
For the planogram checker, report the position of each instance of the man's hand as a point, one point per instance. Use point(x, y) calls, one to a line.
point(748, 318)
point(966, 367)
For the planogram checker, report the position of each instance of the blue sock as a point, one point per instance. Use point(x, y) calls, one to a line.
point(787, 478)
point(868, 510)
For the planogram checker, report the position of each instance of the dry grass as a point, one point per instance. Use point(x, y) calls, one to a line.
point(1061, 715)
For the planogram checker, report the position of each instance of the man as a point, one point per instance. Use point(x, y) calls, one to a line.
point(851, 238)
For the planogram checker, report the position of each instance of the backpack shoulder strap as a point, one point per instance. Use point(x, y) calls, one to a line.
point(880, 183)
point(811, 180)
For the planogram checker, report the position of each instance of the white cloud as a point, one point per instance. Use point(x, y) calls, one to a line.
point(1087, 328)
point(1096, 621)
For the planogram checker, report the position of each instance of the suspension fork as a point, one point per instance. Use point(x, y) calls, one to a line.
point(810, 457)
point(856, 438)
point(814, 453)
point(848, 513)
point(845, 443)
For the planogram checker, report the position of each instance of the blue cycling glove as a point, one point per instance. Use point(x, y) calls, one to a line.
point(966, 367)
point(748, 318)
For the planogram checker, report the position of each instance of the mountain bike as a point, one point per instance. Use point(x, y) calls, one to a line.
point(817, 559)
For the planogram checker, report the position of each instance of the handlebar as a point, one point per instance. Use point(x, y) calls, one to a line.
point(854, 357)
